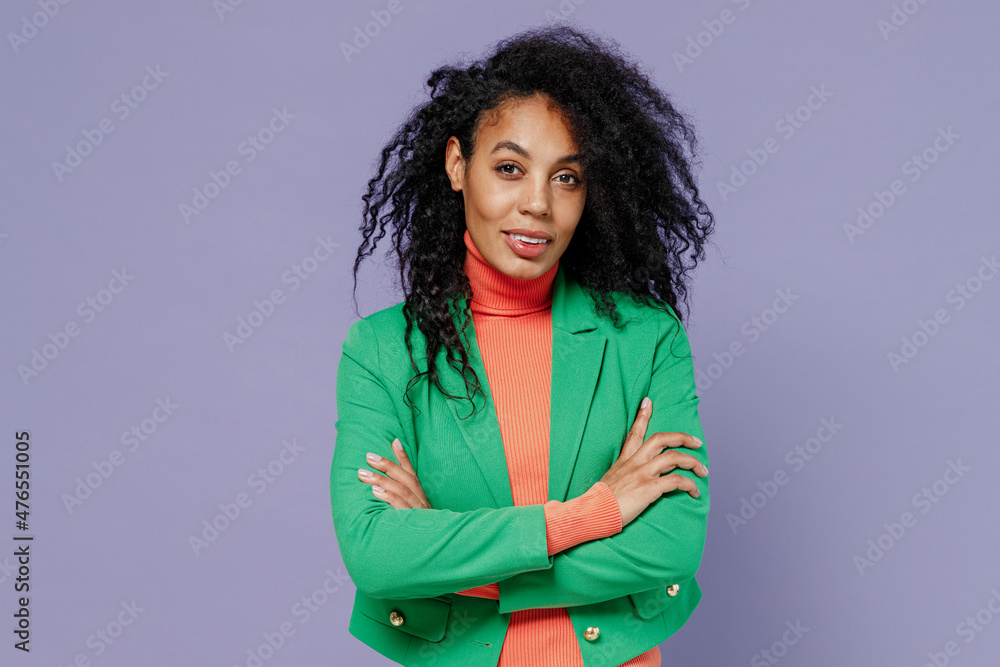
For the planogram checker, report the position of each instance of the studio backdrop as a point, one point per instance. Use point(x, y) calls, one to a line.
point(181, 194)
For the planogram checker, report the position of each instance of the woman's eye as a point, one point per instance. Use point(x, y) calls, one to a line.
point(508, 168)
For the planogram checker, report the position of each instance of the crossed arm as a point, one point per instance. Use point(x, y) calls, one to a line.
point(410, 553)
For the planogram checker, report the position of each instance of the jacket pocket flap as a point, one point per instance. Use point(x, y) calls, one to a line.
point(426, 618)
point(650, 603)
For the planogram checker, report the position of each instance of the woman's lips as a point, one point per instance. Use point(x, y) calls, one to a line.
point(527, 250)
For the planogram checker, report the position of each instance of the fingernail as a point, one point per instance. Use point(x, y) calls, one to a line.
point(397, 444)
point(697, 439)
point(364, 473)
point(378, 489)
point(705, 469)
point(645, 402)
point(697, 493)
point(374, 458)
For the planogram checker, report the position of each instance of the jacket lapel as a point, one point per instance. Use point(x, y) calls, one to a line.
point(577, 357)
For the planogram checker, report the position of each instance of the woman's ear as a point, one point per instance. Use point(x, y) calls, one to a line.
point(454, 163)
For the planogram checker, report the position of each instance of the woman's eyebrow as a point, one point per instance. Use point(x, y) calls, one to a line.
point(514, 146)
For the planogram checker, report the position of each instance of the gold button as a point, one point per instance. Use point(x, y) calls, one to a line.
point(591, 634)
point(672, 590)
point(396, 618)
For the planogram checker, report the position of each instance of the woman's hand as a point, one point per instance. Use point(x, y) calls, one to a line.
point(637, 478)
point(401, 488)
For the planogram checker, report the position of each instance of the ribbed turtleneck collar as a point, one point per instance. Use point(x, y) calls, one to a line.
point(496, 293)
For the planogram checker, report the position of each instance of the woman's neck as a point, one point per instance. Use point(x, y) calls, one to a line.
point(496, 293)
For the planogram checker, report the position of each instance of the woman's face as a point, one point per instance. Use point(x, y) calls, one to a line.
point(525, 177)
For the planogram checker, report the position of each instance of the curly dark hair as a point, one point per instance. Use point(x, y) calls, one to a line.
point(643, 227)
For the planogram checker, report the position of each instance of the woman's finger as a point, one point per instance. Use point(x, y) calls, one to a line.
point(404, 460)
point(637, 433)
point(668, 483)
point(410, 485)
point(389, 467)
point(386, 489)
point(672, 458)
point(663, 439)
point(400, 484)
point(393, 497)
point(383, 487)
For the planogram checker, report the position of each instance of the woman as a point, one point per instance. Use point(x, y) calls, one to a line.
point(543, 212)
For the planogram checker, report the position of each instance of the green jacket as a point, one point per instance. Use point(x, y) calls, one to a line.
point(637, 587)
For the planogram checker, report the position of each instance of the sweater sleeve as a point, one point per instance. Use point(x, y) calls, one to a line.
point(664, 544)
point(592, 516)
point(416, 552)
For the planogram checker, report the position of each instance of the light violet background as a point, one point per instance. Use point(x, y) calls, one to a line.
point(854, 298)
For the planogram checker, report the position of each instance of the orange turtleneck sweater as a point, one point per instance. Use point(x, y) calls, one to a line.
point(513, 322)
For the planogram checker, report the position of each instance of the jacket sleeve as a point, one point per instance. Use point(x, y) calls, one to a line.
point(592, 516)
point(412, 553)
point(664, 544)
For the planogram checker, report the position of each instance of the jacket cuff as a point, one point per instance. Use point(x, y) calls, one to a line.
point(592, 516)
